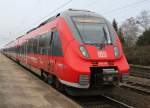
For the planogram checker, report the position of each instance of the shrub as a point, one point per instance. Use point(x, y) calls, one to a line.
point(138, 55)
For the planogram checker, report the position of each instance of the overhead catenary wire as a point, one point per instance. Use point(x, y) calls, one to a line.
point(55, 10)
point(117, 9)
point(107, 12)
point(52, 12)
point(124, 7)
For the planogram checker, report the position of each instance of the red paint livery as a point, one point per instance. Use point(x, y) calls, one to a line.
point(78, 49)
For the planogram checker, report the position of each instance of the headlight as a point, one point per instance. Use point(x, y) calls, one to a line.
point(84, 51)
point(116, 51)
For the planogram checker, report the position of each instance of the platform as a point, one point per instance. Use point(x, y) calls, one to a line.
point(21, 89)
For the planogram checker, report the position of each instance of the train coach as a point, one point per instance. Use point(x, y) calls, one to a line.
point(76, 50)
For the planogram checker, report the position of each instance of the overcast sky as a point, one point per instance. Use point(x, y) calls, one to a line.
point(18, 16)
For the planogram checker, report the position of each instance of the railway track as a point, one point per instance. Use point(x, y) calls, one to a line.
point(140, 71)
point(101, 101)
point(137, 87)
point(120, 104)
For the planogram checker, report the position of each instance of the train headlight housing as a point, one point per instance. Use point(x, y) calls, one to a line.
point(116, 51)
point(84, 79)
point(84, 51)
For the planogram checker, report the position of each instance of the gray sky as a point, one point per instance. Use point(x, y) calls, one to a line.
point(18, 16)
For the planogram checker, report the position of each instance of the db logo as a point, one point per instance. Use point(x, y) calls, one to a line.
point(102, 54)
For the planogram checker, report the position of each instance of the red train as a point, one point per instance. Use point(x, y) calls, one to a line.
point(76, 50)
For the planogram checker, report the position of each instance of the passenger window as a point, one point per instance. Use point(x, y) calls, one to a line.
point(31, 46)
point(35, 43)
point(51, 38)
point(48, 39)
point(48, 43)
point(44, 43)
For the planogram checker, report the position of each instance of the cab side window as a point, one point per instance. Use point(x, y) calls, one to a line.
point(56, 44)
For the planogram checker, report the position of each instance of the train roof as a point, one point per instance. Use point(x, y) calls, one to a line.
point(74, 12)
point(66, 14)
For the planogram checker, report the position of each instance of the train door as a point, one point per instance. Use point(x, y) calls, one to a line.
point(42, 47)
point(18, 51)
point(25, 51)
point(51, 62)
point(48, 50)
point(40, 51)
point(56, 51)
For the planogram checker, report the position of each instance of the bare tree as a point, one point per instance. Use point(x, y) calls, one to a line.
point(144, 19)
point(130, 31)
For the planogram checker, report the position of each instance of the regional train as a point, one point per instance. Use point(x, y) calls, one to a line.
point(76, 50)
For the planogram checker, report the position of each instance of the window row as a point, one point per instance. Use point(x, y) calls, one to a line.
point(46, 44)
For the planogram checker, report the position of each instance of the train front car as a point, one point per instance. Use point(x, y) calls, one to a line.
point(93, 57)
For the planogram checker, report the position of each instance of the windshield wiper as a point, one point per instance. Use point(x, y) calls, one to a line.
point(105, 34)
point(106, 37)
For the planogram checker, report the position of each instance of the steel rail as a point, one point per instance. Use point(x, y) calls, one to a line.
point(136, 88)
point(124, 105)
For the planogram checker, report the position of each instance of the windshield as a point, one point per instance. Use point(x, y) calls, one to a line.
point(92, 30)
